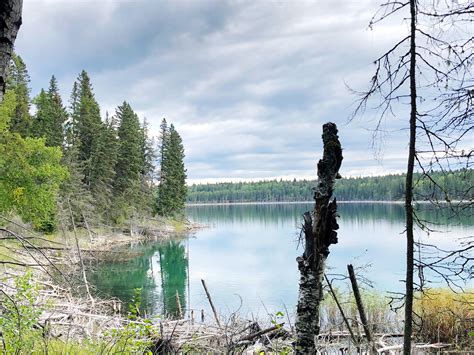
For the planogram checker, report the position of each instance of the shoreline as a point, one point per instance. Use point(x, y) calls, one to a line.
point(106, 243)
point(396, 202)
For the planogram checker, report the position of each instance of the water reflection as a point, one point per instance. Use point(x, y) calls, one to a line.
point(174, 271)
point(291, 213)
point(249, 253)
point(159, 269)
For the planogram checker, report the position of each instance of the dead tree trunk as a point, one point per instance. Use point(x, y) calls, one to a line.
point(320, 232)
point(10, 22)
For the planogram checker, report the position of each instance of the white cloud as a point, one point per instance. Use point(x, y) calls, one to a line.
point(247, 84)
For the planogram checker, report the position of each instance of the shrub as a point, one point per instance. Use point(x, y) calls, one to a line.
point(446, 316)
point(19, 317)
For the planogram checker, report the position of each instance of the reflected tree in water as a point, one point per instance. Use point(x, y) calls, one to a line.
point(174, 271)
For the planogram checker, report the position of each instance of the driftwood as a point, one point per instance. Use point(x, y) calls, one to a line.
point(319, 231)
point(10, 22)
point(216, 317)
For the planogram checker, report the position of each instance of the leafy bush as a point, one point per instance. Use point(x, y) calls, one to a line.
point(19, 316)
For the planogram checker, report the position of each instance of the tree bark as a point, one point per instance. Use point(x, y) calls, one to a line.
point(320, 232)
point(10, 22)
point(408, 327)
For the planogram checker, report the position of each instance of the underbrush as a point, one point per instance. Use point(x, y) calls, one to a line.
point(23, 331)
point(381, 318)
point(446, 316)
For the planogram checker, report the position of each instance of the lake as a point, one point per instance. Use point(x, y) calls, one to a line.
point(246, 254)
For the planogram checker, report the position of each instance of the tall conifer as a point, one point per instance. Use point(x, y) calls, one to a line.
point(130, 157)
point(103, 161)
point(172, 189)
point(18, 80)
point(50, 115)
point(88, 124)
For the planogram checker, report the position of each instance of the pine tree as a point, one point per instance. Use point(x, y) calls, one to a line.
point(172, 190)
point(147, 173)
point(71, 124)
point(40, 124)
point(59, 115)
point(104, 159)
point(129, 164)
point(162, 191)
point(18, 80)
point(130, 157)
point(74, 193)
point(50, 115)
point(178, 175)
point(162, 145)
point(87, 124)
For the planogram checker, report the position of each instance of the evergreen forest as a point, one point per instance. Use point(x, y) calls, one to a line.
point(440, 186)
point(65, 164)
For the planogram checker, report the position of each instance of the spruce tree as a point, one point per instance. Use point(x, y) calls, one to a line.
point(18, 80)
point(71, 124)
point(87, 123)
point(104, 158)
point(40, 124)
point(129, 163)
point(147, 173)
point(162, 145)
point(130, 157)
point(74, 193)
point(162, 193)
point(172, 190)
point(178, 172)
point(50, 116)
point(59, 115)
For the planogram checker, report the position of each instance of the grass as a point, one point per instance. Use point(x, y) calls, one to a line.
point(379, 315)
point(446, 316)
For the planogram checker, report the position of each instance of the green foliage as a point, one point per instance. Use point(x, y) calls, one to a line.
point(87, 124)
point(31, 174)
point(453, 185)
point(106, 173)
point(19, 317)
point(74, 192)
point(18, 81)
point(103, 163)
point(133, 338)
point(130, 155)
point(21, 332)
point(172, 190)
point(134, 305)
point(7, 108)
point(50, 116)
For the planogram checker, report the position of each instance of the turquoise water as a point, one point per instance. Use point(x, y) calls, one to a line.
point(246, 254)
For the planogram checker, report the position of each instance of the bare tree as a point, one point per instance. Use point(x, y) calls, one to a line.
point(427, 71)
point(10, 22)
point(319, 231)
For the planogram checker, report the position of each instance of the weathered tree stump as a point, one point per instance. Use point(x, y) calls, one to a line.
point(319, 230)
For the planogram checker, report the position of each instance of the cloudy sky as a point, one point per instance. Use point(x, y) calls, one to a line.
point(248, 84)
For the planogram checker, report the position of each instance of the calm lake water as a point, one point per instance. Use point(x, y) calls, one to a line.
point(247, 257)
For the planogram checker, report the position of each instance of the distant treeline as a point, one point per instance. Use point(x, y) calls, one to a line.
point(453, 185)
